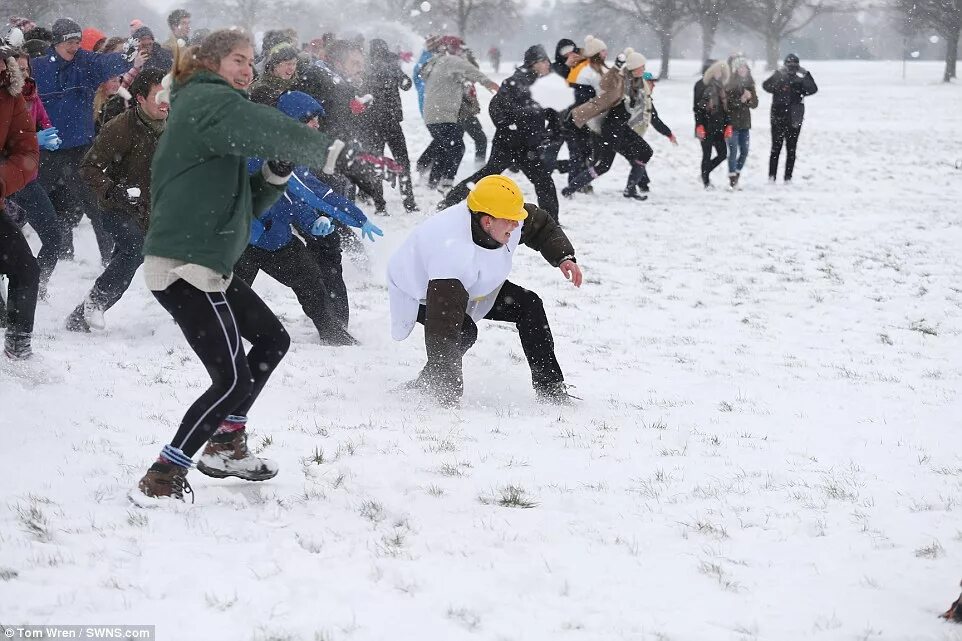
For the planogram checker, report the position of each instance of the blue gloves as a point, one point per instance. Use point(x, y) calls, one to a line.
point(322, 226)
point(48, 139)
point(370, 230)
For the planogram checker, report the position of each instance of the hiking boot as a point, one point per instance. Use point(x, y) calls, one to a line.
point(632, 192)
point(17, 346)
point(162, 481)
point(555, 394)
point(410, 206)
point(227, 455)
point(732, 179)
point(93, 314)
point(76, 321)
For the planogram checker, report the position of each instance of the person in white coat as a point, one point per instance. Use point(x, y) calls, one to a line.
point(452, 271)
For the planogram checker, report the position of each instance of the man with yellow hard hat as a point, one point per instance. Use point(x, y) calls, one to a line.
point(452, 271)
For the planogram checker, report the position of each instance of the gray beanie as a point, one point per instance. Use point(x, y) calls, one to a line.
point(65, 29)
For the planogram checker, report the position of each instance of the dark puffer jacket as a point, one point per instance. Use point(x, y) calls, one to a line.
point(384, 78)
point(788, 91)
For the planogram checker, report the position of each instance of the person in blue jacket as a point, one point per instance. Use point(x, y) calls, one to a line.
point(67, 78)
point(308, 205)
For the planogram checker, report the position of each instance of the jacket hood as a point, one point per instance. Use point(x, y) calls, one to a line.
point(299, 106)
point(16, 77)
point(718, 71)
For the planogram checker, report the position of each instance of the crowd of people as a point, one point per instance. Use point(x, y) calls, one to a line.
point(205, 163)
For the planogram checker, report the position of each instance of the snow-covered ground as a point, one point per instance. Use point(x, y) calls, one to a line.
point(768, 446)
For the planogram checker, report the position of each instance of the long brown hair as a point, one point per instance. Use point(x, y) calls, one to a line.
point(208, 54)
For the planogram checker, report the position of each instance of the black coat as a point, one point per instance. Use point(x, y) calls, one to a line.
point(518, 117)
point(335, 94)
point(788, 92)
point(711, 106)
point(384, 78)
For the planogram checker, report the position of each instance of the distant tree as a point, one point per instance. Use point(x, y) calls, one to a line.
point(665, 17)
point(944, 17)
point(44, 12)
point(708, 14)
point(469, 15)
point(776, 19)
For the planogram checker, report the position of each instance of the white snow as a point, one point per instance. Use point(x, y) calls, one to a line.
point(769, 445)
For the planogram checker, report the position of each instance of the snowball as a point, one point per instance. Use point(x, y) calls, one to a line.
point(425, 6)
point(933, 39)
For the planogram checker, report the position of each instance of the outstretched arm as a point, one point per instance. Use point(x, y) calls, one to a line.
point(543, 234)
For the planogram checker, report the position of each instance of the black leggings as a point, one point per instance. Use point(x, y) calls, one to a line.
point(472, 127)
point(782, 131)
point(213, 324)
point(717, 142)
point(20, 267)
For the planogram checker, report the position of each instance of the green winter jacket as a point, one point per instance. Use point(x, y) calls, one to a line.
point(202, 198)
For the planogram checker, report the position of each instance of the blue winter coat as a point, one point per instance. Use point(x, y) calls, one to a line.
point(67, 90)
point(272, 230)
point(418, 80)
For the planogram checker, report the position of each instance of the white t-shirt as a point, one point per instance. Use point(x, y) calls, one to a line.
point(442, 248)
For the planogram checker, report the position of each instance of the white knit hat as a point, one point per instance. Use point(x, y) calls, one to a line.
point(633, 59)
point(593, 46)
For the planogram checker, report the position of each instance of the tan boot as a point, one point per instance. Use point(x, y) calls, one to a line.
point(227, 455)
point(162, 481)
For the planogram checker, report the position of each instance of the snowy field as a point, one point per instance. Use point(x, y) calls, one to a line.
point(768, 446)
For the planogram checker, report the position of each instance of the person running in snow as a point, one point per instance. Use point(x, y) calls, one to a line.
point(521, 136)
point(712, 125)
point(117, 168)
point(19, 159)
point(788, 86)
point(640, 105)
point(309, 205)
point(567, 56)
point(623, 124)
point(33, 199)
point(444, 76)
point(742, 98)
point(451, 272)
point(383, 80)
point(199, 226)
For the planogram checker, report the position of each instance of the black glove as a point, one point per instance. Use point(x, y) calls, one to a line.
point(280, 168)
point(620, 61)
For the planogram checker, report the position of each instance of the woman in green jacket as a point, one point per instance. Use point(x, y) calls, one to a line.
point(203, 202)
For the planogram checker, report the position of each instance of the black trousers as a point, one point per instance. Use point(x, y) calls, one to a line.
point(23, 276)
point(525, 309)
point(472, 127)
point(42, 216)
point(446, 150)
point(127, 256)
point(327, 254)
point(72, 197)
point(295, 267)
point(717, 142)
point(389, 133)
point(783, 132)
point(531, 164)
point(214, 324)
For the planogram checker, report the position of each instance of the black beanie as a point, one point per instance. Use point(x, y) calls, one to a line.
point(280, 53)
point(533, 54)
point(791, 59)
point(65, 29)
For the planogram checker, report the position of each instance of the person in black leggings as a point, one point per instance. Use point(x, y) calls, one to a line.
point(20, 267)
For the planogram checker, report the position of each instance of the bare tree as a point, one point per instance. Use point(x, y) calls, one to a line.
point(945, 17)
point(708, 15)
point(665, 17)
point(774, 20)
point(44, 12)
point(468, 15)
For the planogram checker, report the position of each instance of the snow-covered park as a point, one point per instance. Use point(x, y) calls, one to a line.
point(769, 444)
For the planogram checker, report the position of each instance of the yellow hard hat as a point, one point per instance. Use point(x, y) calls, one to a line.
point(498, 196)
